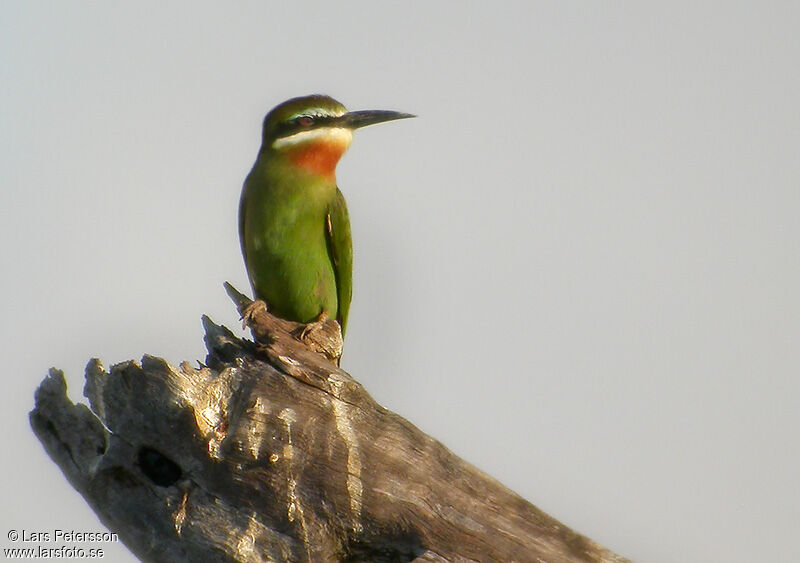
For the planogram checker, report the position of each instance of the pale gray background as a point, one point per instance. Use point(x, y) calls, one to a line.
point(578, 268)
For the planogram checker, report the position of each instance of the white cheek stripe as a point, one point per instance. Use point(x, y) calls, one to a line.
point(331, 134)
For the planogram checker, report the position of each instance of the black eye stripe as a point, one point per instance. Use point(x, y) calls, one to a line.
point(295, 125)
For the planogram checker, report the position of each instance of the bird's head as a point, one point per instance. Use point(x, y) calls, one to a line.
point(313, 132)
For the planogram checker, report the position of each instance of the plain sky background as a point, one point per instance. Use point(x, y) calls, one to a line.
point(578, 268)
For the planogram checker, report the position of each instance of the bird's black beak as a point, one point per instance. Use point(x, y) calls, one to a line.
point(358, 119)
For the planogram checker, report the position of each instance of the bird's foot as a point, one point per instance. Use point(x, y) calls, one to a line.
point(313, 326)
point(249, 314)
point(323, 335)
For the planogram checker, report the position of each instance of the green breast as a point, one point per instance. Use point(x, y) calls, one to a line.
point(283, 222)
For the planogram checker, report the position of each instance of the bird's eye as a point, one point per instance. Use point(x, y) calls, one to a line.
point(304, 121)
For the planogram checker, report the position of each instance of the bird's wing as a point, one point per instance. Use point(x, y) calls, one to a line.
point(340, 246)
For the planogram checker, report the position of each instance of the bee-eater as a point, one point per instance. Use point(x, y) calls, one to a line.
point(293, 223)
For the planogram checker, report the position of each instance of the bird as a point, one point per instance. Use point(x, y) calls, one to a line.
point(294, 226)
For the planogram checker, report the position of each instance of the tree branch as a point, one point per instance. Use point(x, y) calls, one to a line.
point(270, 452)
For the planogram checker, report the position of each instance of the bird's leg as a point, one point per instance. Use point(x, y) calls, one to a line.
point(314, 326)
point(249, 314)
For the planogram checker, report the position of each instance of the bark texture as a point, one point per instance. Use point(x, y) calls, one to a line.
point(270, 452)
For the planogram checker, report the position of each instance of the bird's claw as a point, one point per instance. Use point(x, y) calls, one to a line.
point(249, 314)
point(313, 326)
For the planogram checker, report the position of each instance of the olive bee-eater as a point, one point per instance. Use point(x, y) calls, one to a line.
point(293, 222)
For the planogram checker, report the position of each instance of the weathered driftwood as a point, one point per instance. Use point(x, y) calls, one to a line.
point(272, 453)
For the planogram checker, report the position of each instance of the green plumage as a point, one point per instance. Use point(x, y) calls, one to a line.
point(295, 236)
point(293, 222)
